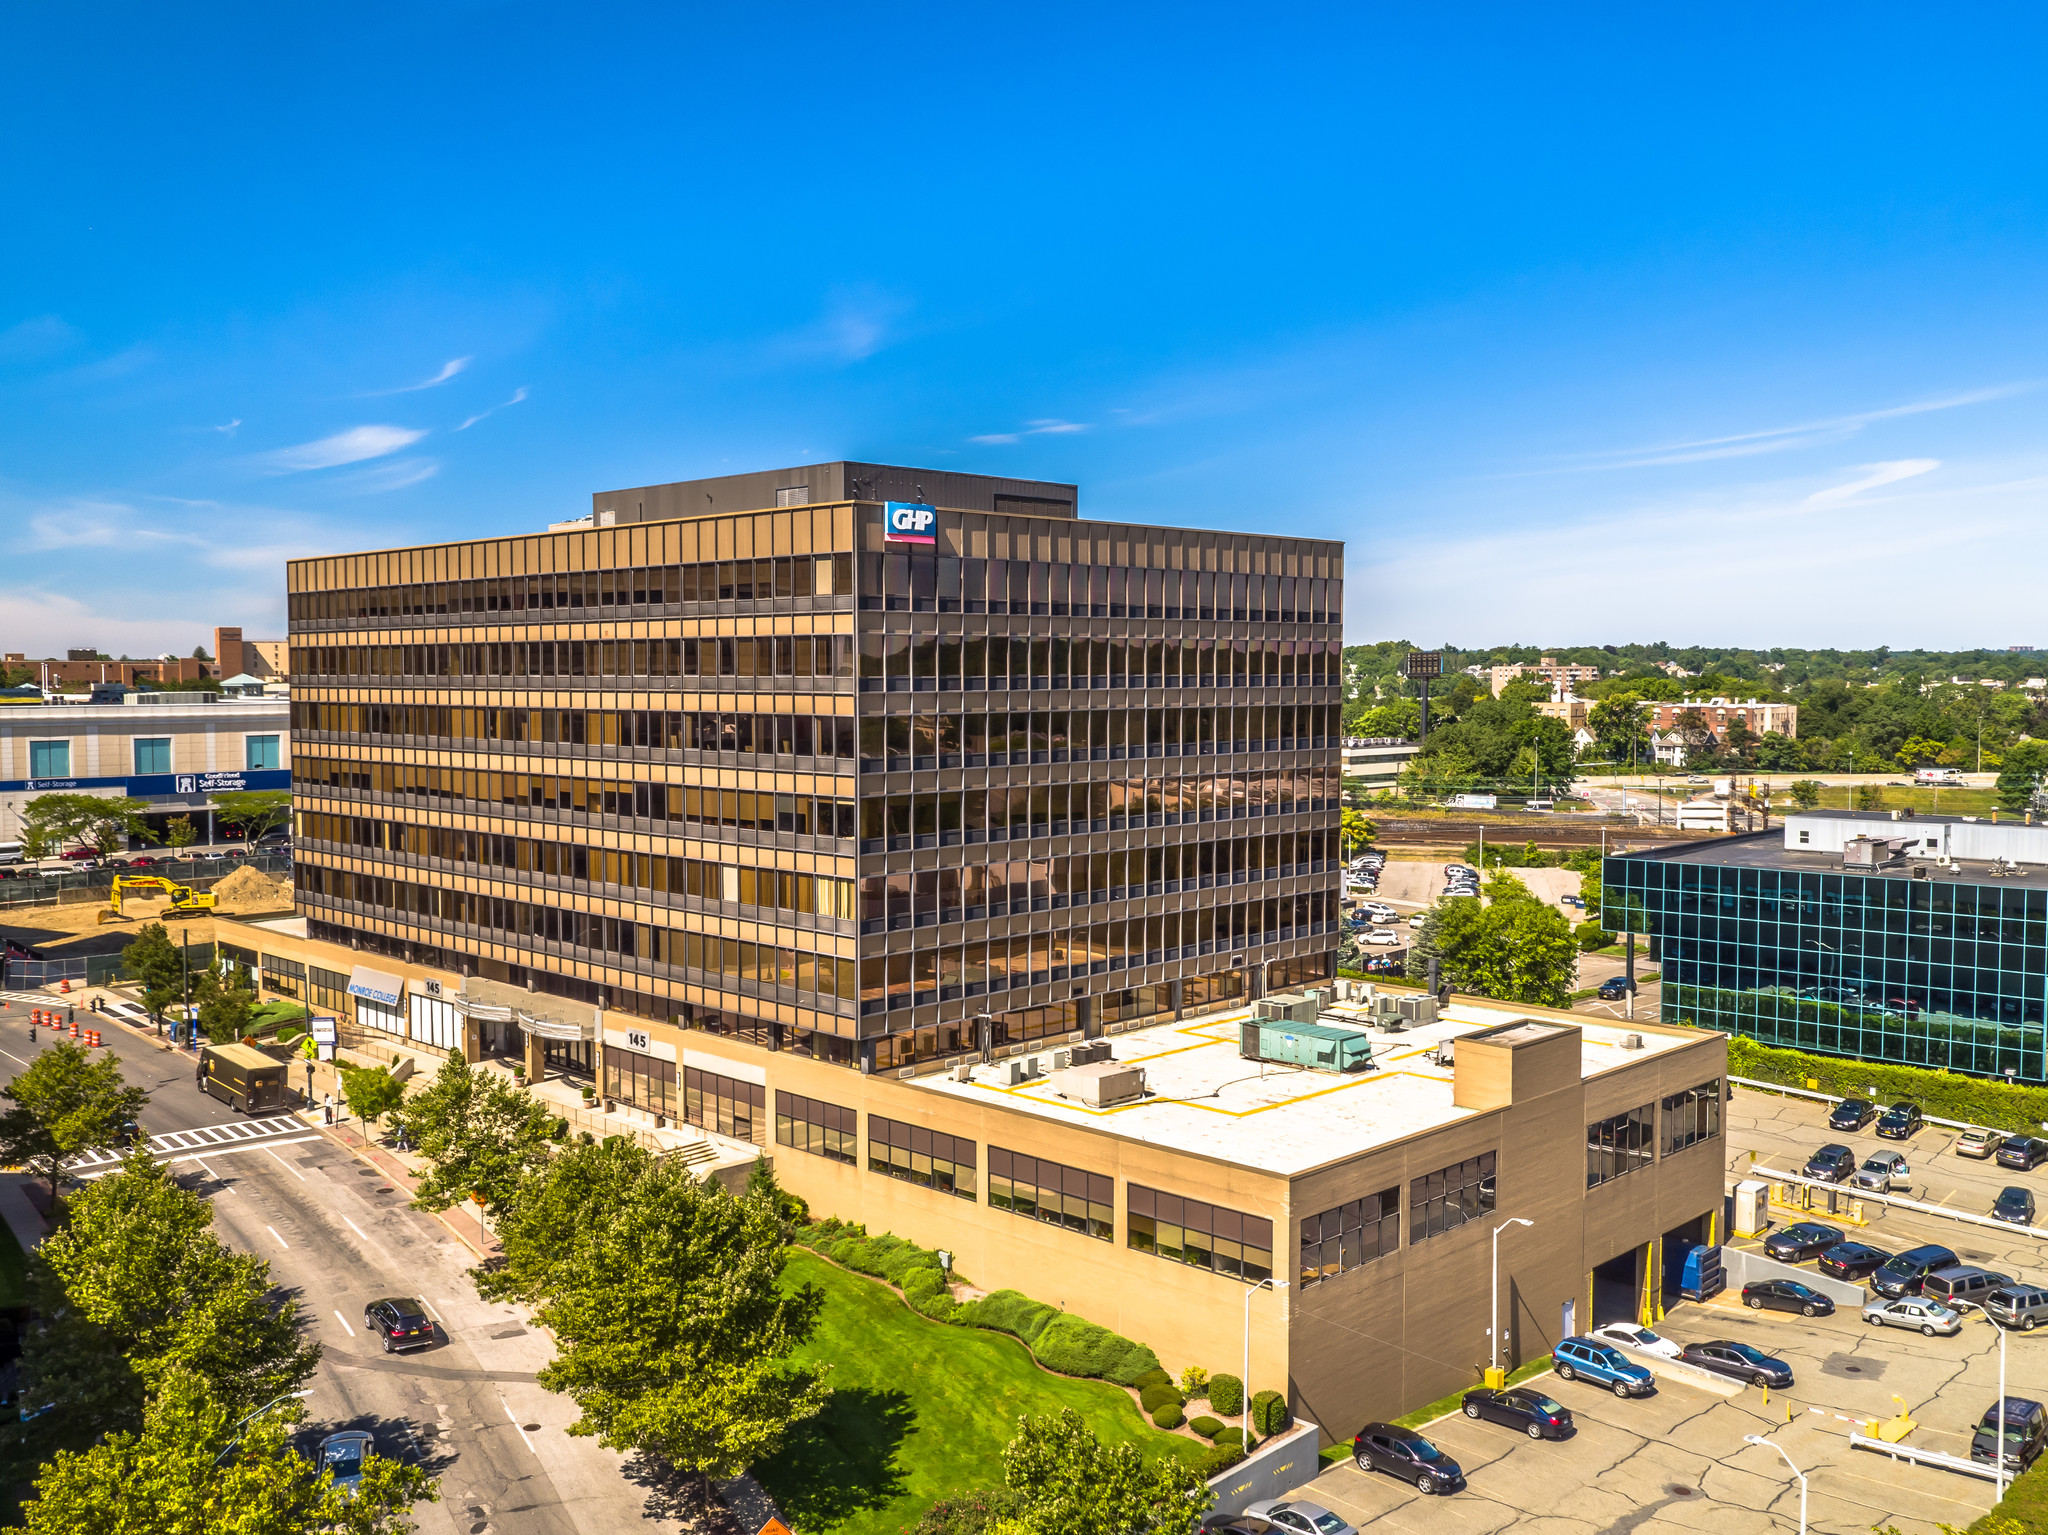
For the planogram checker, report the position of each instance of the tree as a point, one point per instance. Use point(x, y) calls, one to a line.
point(2019, 775)
point(191, 1468)
point(540, 1228)
point(199, 653)
point(1070, 1483)
point(136, 1286)
point(479, 1135)
point(1511, 947)
point(225, 1008)
point(1740, 743)
point(1920, 752)
point(153, 960)
point(1777, 753)
point(673, 1332)
point(1619, 732)
point(52, 822)
point(1358, 829)
point(1869, 797)
point(371, 1092)
point(180, 832)
point(1806, 792)
point(256, 811)
point(1696, 735)
point(65, 1102)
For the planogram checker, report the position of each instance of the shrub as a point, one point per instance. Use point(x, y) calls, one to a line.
point(1074, 1346)
point(1232, 1436)
point(1169, 1415)
point(1207, 1427)
point(1153, 1378)
point(1942, 1094)
point(1015, 1313)
point(1591, 936)
point(922, 1283)
point(940, 1306)
point(1139, 1361)
point(1226, 1395)
point(1269, 1413)
point(967, 1513)
point(1153, 1397)
point(1194, 1382)
point(1218, 1458)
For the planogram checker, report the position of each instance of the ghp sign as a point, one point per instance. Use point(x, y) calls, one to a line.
point(909, 522)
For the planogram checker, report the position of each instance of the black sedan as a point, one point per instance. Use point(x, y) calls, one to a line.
point(1852, 1260)
point(1899, 1121)
point(2014, 1205)
point(1739, 1360)
point(1833, 1163)
point(1614, 988)
point(1786, 1295)
point(1852, 1114)
point(1518, 1407)
point(1404, 1453)
point(2023, 1152)
point(1807, 1239)
point(400, 1323)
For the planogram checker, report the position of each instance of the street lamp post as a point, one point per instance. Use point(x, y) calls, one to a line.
point(1759, 1439)
point(1493, 1329)
point(1999, 1461)
point(1244, 1382)
point(259, 1412)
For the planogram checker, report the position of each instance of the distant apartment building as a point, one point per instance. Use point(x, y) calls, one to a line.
point(1720, 713)
point(1559, 678)
point(232, 656)
point(1573, 711)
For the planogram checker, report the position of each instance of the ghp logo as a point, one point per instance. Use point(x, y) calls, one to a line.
point(909, 522)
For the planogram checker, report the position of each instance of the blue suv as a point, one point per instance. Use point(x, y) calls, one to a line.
point(1590, 1359)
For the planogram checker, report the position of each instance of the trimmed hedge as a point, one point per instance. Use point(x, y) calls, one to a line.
point(1152, 1398)
point(1269, 1413)
point(1074, 1346)
point(1153, 1378)
point(1013, 1312)
point(1226, 1395)
point(1943, 1094)
point(1218, 1458)
point(1207, 1427)
point(1169, 1415)
point(1232, 1436)
point(2024, 1508)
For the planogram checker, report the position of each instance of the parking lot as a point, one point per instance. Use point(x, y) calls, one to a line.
point(1678, 1461)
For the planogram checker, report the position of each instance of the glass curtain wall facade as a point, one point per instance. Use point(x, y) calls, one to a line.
point(1923, 972)
point(768, 775)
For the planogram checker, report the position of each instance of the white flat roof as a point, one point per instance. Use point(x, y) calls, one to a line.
point(1207, 1099)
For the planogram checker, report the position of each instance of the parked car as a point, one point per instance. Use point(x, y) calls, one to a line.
point(1404, 1453)
point(1452, 870)
point(1852, 1114)
point(1963, 1282)
point(1726, 1357)
point(1852, 1260)
point(1882, 1172)
point(1641, 1339)
point(1614, 988)
point(2026, 1428)
point(2024, 1152)
point(1602, 1364)
point(1298, 1518)
point(1927, 1316)
point(1572, 900)
point(1786, 1295)
point(342, 1456)
point(1379, 936)
point(2023, 1306)
point(1899, 1121)
point(1833, 1163)
point(1379, 911)
point(399, 1322)
point(1978, 1143)
point(1416, 920)
point(1806, 1239)
point(1530, 1412)
point(79, 855)
point(1905, 1273)
point(2014, 1204)
point(1235, 1524)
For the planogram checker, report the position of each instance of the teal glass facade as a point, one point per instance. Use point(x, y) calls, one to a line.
point(1921, 972)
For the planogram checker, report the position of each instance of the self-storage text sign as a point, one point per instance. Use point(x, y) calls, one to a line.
point(909, 522)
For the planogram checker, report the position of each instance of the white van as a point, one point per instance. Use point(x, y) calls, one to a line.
point(1940, 777)
point(10, 852)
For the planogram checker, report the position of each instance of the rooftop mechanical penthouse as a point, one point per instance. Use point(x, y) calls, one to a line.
point(871, 764)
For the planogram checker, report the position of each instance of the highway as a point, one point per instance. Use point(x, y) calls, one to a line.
point(337, 1236)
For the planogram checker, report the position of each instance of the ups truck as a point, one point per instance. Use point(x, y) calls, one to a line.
point(243, 1077)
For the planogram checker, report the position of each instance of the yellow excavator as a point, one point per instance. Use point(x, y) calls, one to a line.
point(185, 901)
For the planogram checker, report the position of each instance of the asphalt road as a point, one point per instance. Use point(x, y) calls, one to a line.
point(337, 1236)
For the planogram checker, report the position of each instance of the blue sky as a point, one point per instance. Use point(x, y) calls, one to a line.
point(1578, 324)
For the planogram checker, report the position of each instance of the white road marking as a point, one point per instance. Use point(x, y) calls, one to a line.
point(14, 1058)
point(357, 1229)
point(281, 1162)
point(516, 1423)
point(281, 1242)
point(432, 1310)
point(341, 1319)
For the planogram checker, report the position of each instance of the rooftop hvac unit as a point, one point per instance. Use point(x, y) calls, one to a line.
point(1034, 1066)
point(1419, 1009)
point(964, 1072)
point(1314, 1045)
point(1101, 1085)
point(1061, 1059)
point(1013, 1073)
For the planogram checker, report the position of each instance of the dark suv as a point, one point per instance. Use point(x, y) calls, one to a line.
point(1831, 1164)
point(2026, 1428)
point(1899, 1121)
point(1909, 1270)
point(1404, 1453)
point(2023, 1152)
point(400, 1322)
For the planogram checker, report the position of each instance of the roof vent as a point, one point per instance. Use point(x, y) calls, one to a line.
point(1631, 1041)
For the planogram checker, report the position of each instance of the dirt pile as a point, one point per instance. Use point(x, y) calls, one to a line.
point(250, 889)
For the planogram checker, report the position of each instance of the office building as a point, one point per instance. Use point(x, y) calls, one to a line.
point(1920, 940)
point(1375, 762)
point(739, 757)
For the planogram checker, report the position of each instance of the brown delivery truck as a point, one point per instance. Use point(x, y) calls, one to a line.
point(242, 1076)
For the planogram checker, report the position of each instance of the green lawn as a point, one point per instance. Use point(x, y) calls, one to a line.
point(919, 1410)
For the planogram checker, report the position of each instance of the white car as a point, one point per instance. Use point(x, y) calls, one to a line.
point(1379, 911)
point(1416, 920)
point(1379, 936)
point(1641, 1339)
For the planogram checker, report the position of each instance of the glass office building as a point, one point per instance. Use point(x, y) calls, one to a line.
point(1920, 965)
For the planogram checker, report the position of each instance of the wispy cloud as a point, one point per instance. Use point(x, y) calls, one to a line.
point(1874, 476)
point(449, 369)
point(228, 430)
point(396, 475)
point(517, 395)
point(349, 447)
point(43, 336)
point(856, 324)
point(1777, 439)
point(1041, 428)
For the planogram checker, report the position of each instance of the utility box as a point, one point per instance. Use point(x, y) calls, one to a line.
point(1314, 1045)
point(1101, 1085)
point(1417, 1009)
point(1289, 1006)
point(1750, 1206)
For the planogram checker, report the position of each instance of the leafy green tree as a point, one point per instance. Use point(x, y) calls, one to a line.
point(1070, 1483)
point(1920, 752)
point(1869, 797)
point(673, 1332)
point(153, 960)
point(1358, 829)
point(191, 1468)
point(135, 1286)
point(1776, 753)
point(1620, 730)
point(179, 832)
point(225, 1008)
point(371, 1092)
point(1806, 792)
point(1739, 744)
point(539, 1229)
point(2019, 775)
point(50, 823)
point(256, 811)
point(64, 1102)
point(1512, 947)
point(1697, 736)
point(479, 1135)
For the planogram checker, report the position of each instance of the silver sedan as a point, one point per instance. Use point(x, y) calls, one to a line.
point(1298, 1518)
point(1925, 1316)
